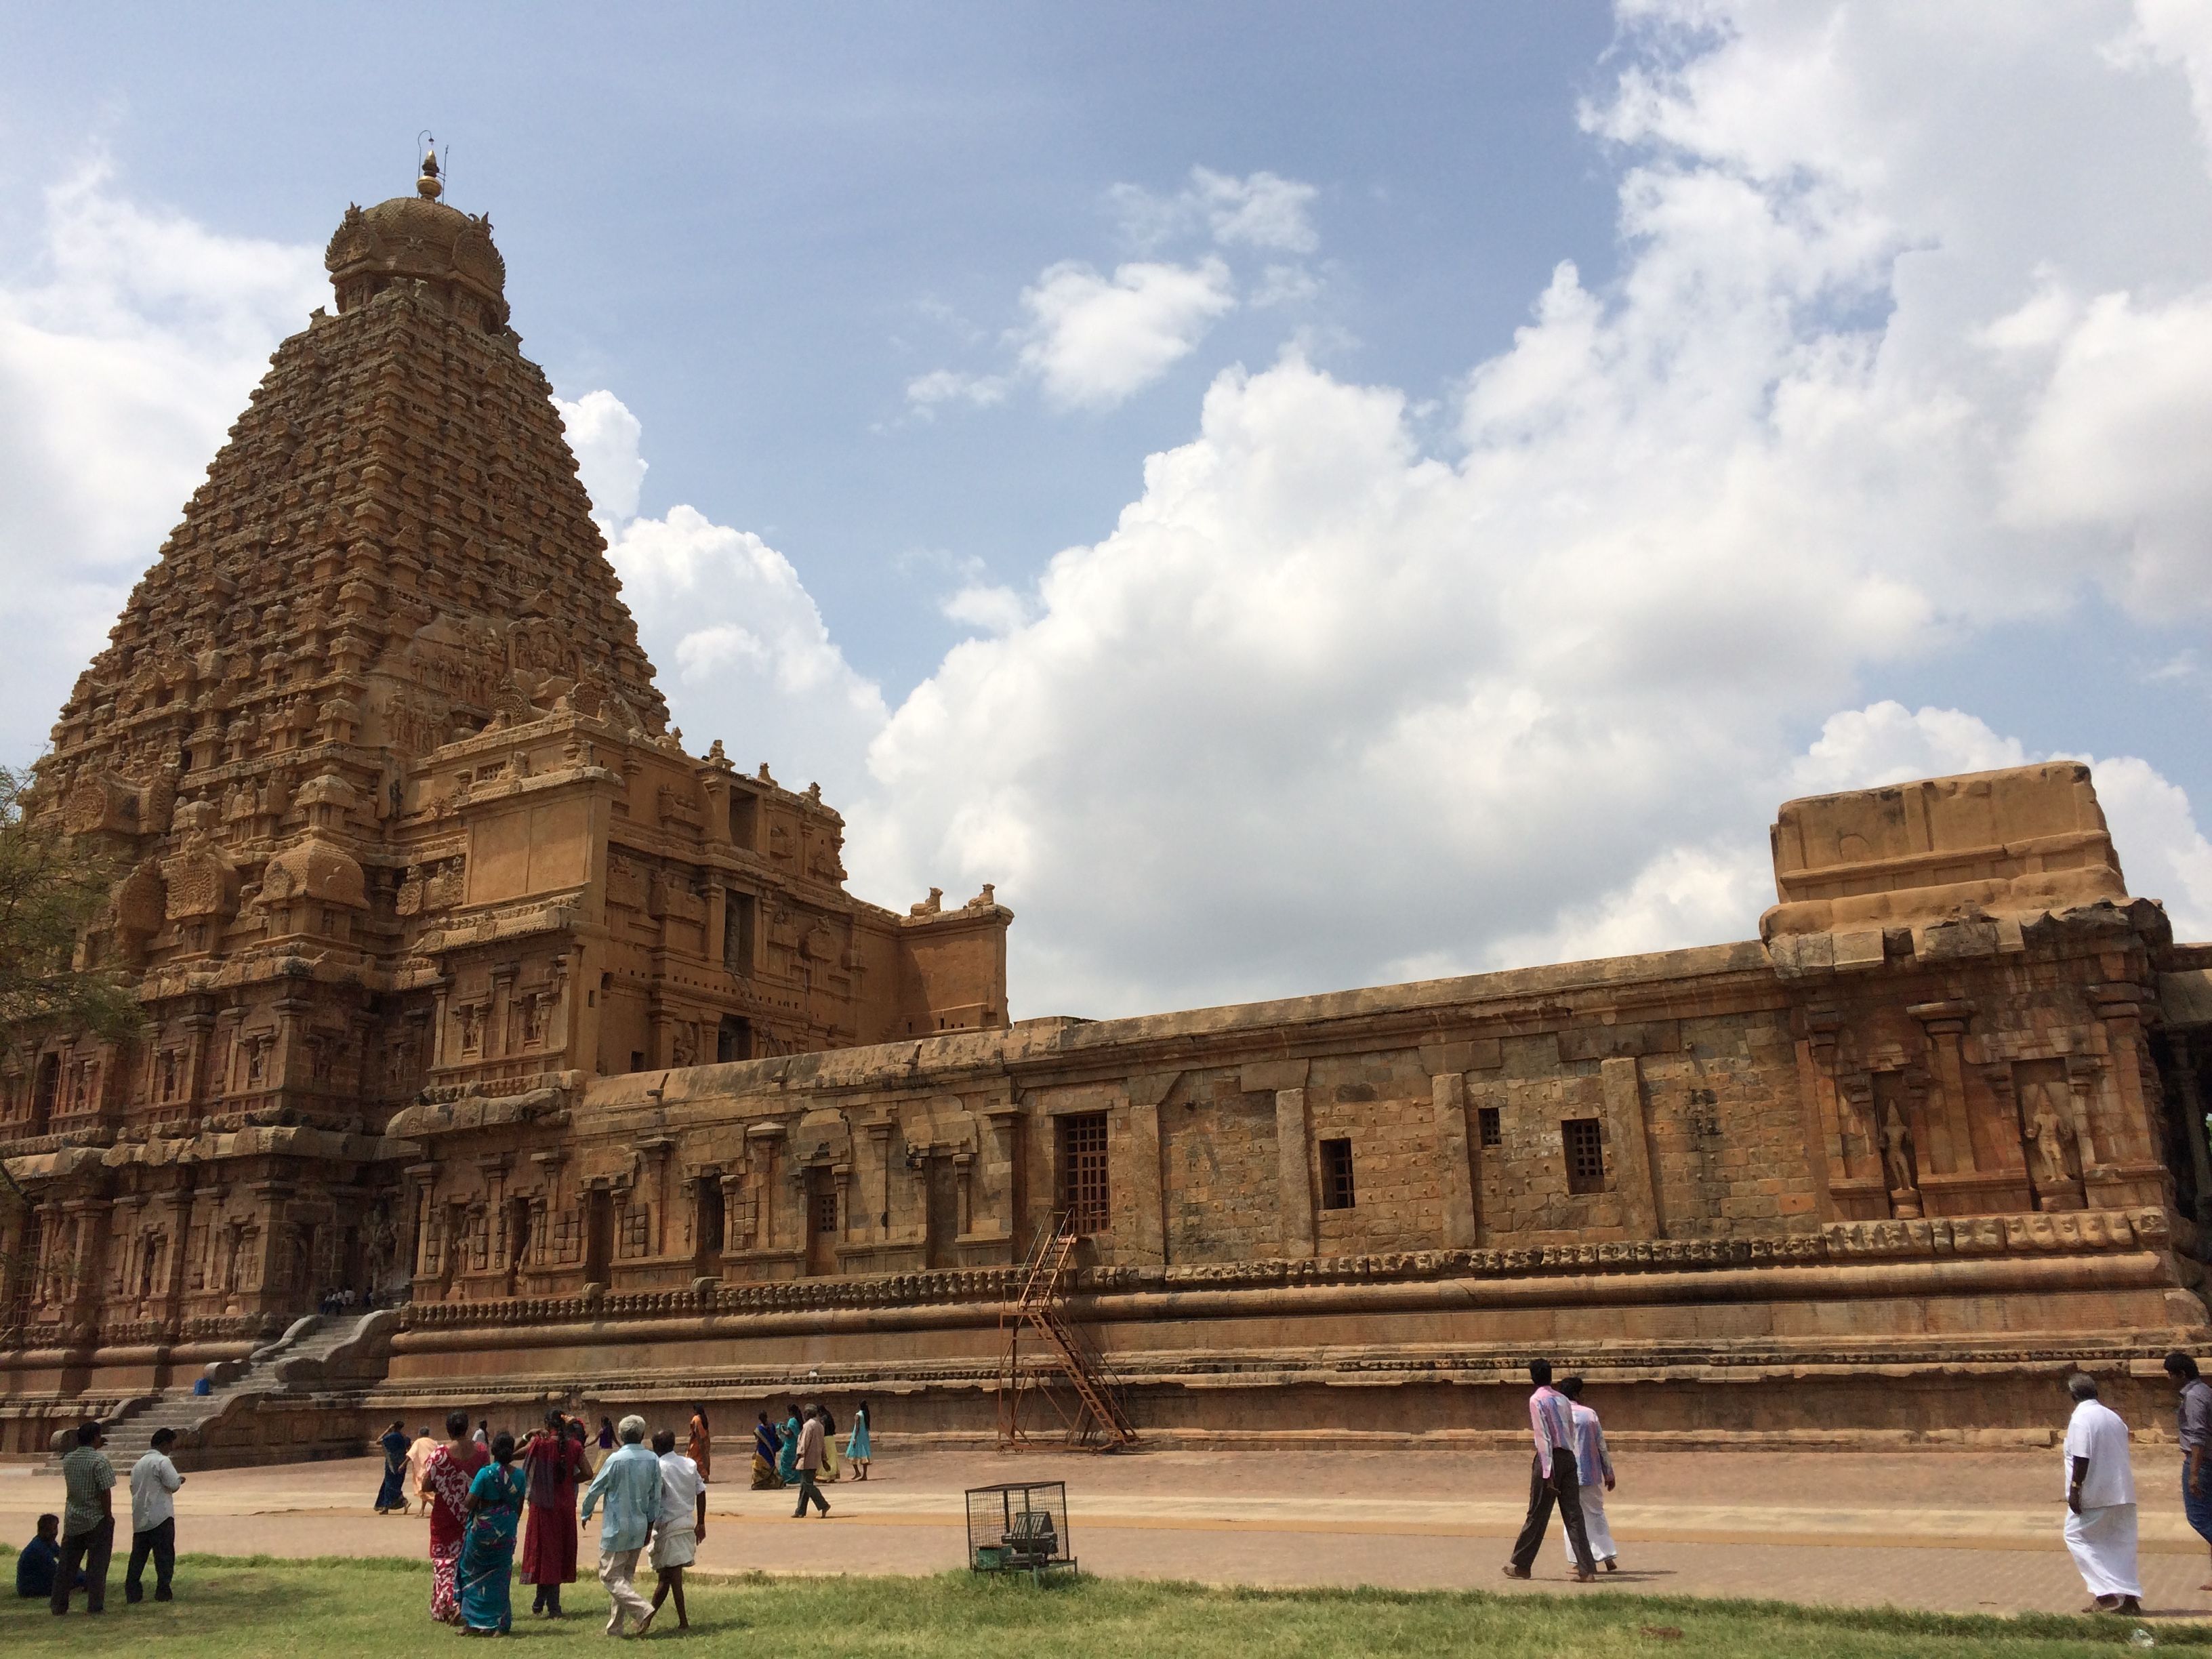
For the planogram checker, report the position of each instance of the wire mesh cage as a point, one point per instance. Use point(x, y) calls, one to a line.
point(1019, 1527)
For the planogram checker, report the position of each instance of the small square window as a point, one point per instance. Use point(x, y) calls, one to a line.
point(1336, 1174)
point(637, 1059)
point(1487, 1126)
point(1585, 1149)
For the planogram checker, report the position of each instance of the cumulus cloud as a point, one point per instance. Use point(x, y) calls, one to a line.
point(752, 661)
point(129, 340)
point(606, 439)
point(993, 607)
point(1094, 341)
point(1888, 359)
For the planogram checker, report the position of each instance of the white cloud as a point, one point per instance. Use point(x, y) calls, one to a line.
point(1886, 743)
point(993, 608)
point(1094, 341)
point(925, 392)
point(605, 438)
point(1326, 707)
point(1261, 210)
point(753, 662)
point(1890, 358)
point(129, 340)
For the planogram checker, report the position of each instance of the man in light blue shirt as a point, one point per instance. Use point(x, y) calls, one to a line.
point(630, 1482)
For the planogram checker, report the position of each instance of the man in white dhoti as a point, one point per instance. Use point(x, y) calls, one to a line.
point(2100, 1502)
point(1591, 1459)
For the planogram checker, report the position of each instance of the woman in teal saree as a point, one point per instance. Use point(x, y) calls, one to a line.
point(486, 1571)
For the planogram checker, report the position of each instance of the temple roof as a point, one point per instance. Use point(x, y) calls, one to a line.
point(419, 238)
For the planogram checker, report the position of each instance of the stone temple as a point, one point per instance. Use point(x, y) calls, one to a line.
point(465, 982)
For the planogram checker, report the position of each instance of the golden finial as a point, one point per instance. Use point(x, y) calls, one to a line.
point(428, 187)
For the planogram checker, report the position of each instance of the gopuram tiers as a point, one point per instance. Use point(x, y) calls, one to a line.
point(465, 982)
point(403, 820)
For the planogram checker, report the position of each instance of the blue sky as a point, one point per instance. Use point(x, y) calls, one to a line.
point(1151, 456)
point(757, 229)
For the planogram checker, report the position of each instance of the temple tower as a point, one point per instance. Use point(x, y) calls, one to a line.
point(401, 820)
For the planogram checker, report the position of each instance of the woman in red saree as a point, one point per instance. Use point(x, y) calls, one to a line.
point(554, 1463)
point(447, 1478)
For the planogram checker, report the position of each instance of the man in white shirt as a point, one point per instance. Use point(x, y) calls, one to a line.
point(677, 1525)
point(154, 1483)
point(2100, 1502)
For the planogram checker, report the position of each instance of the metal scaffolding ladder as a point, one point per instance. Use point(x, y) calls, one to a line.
point(1034, 1410)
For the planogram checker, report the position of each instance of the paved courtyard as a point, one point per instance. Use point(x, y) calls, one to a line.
point(1962, 1532)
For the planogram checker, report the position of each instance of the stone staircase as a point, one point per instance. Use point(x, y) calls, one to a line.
point(298, 1355)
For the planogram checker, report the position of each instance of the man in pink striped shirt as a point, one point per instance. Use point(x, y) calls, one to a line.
point(1552, 1479)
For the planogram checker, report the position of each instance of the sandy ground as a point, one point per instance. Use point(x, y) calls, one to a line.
point(1963, 1532)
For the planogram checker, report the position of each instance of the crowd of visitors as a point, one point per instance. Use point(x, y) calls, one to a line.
point(493, 1501)
point(488, 1497)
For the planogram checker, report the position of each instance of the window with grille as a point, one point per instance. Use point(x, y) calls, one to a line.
point(1083, 1170)
point(825, 1210)
point(1488, 1126)
point(1585, 1149)
point(1336, 1174)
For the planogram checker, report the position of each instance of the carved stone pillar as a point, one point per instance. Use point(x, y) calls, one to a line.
point(765, 1142)
point(501, 1015)
point(1294, 1173)
point(1002, 1170)
point(841, 1178)
point(963, 1176)
point(1456, 1154)
point(287, 1068)
point(2132, 1135)
point(1622, 1082)
point(876, 1179)
point(1950, 1136)
point(717, 898)
point(1148, 1201)
point(227, 1079)
point(421, 1180)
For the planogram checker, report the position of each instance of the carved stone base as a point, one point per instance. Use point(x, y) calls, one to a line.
point(2068, 1197)
point(1904, 1203)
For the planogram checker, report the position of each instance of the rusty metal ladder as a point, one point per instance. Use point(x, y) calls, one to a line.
point(1100, 1419)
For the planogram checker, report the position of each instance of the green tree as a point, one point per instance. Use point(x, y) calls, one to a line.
point(52, 887)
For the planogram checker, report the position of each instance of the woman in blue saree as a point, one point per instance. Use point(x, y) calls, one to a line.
point(391, 1495)
point(768, 1446)
point(486, 1571)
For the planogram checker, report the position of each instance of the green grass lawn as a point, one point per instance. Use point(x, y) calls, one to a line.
point(236, 1608)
